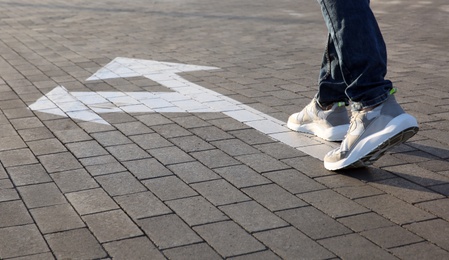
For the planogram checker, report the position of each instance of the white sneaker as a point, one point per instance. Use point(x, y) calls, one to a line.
point(371, 134)
point(330, 125)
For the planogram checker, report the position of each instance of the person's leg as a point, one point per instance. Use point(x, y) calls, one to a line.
point(357, 51)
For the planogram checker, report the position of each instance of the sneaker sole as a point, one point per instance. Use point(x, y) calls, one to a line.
point(334, 134)
point(369, 156)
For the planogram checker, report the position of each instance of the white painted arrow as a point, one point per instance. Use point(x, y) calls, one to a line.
point(186, 97)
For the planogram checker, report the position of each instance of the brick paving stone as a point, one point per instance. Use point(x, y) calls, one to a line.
point(11, 143)
point(133, 248)
point(332, 203)
point(359, 191)
point(418, 251)
point(96, 160)
point(7, 191)
point(25, 123)
point(435, 165)
point(147, 168)
point(46, 146)
point(242, 176)
point(72, 135)
point(389, 237)
point(394, 209)
point(366, 221)
point(133, 128)
point(406, 190)
point(171, 131)
point(3, 174)
point(127, 152)
point(169, 188)
point(59, 162)
point(280, 151)
point(251, 136)
point(74, 180)
point(56, 218)
point(120, 183)
point(262, 162)
point(170, 155)
point(313, 222)
point(294, 181)
point(91, 201)
point(191, 144)
point(274, 197)
point(191, 122)
point(354, 246)
point(17, 157)
point(111, 138)
point(228, 239)
point(7, 130)
point(192, 172)
point(234, 147)
point(214, 158)
point(43, 256)
point(265, 255)
point(153, 119)
point(418, 175)
point(438, 207)
point(197, 251)
point(211, 133)
point(196, 211)
point(14, 213)
point(289, 243)
point(111, 225)
point(309, 166)
point(168, 231)
point(220, 192)
point(253, 217)
point(228, 124)
point(142, 205)
point(20, 241)
point(435, 231)
point(150, 141)
point(78, 243)
point(86, 149)
point(28, 174)
point(41, 195)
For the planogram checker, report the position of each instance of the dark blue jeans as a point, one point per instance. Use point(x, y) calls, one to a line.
point(355, 61)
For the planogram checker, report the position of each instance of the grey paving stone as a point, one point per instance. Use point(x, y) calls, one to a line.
point(21, 241)
point(280, 151)
point(228, 239)
point(14, 213)
point(214, 158)
point(142, 205)
point(418, 251)
point(253, 217)
point(72, 135)
point(234, 147)
point(107, 168)
point(364, 222)
point(242, 176)
point(97, 160)
point(313, 222)
point(11, 143)
point(111, 138)
point(147, 168)
point(289, 243)
point(7, 191)
point(43, 256)
point(17, 157)
point(28, 174)
point(127, 152)
point(133, 248)
point(251, 136)
point(120, 183)
point(418, 175)
point(153, 119)
point(264, 255)
point(211, 133)
point(171, 131)
point(25, 123)
point(190, 122)
point(200, 251)
point(394, 209)
point(294, 181)
point(196, 211)
point(133, 128)
point(434, 231)
point(59, 162)
point(354, 246)
point(111, 226)
point(56, 218)
point(7, 130)
point(169, 188)
point(86, 149)
point(262, 162)
point(3, 174)
point(389, 237)
point(41, 195)
point(78, 243)
point(220, 192)
point(274, 197)
point(170, 155)
point(46, 146)
point(192, 172)
point(332, 203)
point(438, 207)
point(228, 124)
point(168, 231)
point(91, 201)
point(359, 191)
point(309, 166)
point(75, 180)
point(151, 141)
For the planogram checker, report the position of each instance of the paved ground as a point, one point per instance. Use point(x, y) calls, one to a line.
point(129, 176)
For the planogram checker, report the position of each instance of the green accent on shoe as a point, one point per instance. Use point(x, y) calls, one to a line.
point(393, 91)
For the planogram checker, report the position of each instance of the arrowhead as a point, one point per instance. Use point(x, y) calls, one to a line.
point(127, 67)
